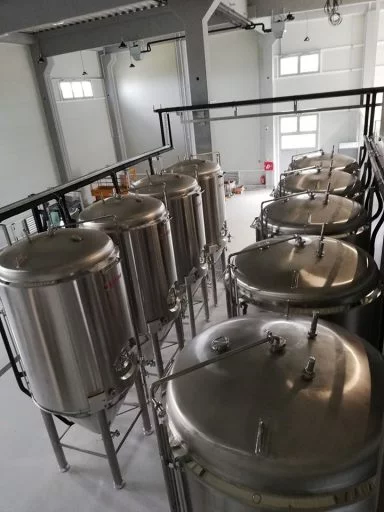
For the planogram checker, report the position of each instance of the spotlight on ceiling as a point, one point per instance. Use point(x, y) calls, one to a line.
point(122, 45)
point(132, 65)
point(41, 59)
point(306, 40)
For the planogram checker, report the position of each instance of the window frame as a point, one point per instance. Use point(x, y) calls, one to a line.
point(299, 132)
point(299, 57)
point(71, 82)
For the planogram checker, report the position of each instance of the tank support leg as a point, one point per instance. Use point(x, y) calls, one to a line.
point(204, 290)
point(223, 262)
point(229, 304)
point(147, 427)
point(55, 441)
point(213, 278)
point(157, 354)
point(190, 307)
point(180, 331)
point(110, 450)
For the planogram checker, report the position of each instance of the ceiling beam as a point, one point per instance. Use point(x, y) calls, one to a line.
point(17, 15)
point(110, 31)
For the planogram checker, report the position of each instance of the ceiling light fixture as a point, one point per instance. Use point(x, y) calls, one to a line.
point(331, 9)
point(84, 73)
point(122, 45)
point(41, 59)
point(307, 38)
point(132, 64)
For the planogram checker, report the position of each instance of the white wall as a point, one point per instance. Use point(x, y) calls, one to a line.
point(27, 162)
point(341, 67)
point(84, 123)
point(152, 82)
point(234, 75)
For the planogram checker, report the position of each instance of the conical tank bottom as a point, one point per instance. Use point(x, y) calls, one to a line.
point(91, 423)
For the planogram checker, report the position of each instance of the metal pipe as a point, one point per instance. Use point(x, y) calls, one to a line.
point(55, 441)
point(180, 331)
point(157, 353)
point(110, 450)
point(190, 307)
point(279, 99)
point(204, 290)
point(222, 257)
point(147, 427)
point(37, 219)
point(162, 133)
point(213, 278)
point(115, 182)
point(273, 114)
point(372, 113)
point(366, 115)
point(151, 169)
point(169, 131)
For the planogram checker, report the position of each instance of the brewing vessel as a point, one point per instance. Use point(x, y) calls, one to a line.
point(182, 196)
point(306, 273)
point(211, 180)
point(341, 183)
point(67, 307)
point(140, 226)
point(324, 160)
point(312, 213)
point(292, 423)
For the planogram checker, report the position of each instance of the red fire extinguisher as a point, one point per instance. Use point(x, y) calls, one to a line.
point(262, 179)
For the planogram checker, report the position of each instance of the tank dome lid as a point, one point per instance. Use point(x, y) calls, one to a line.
point(289, 272)
point(60, 254)
point(174, 185)
point(127, 212)
point(258, 420)
point(195, 167)
point(307, 213)
point(342, 183)
point(339, 161)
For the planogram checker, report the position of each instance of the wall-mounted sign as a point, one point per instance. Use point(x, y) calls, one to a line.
point(268, 166)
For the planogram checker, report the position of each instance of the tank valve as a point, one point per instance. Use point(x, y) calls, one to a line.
point(299, 242)
point(276, 343)
point(309, 370)
point(220, 344)
point(312, 331)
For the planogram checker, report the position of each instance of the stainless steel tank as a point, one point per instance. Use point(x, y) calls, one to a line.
point(308, 213)
point(323, 160)
point(211, 180)
point(67, 307)
point(292, 424)
point(140, 226)
point(182, 195)
point(337, 279)
point(342, 183)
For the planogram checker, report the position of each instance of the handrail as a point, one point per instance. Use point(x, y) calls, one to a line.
point(278, 99)
point(54, 193)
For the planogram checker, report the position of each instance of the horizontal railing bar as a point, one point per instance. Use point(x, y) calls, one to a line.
point(53, 193)
point(278, 99)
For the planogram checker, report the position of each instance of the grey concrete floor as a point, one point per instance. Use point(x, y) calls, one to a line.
point(29, 478)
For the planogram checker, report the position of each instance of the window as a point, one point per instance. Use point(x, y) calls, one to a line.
point(299, 132)
point(76, 89)
point(300, 64)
